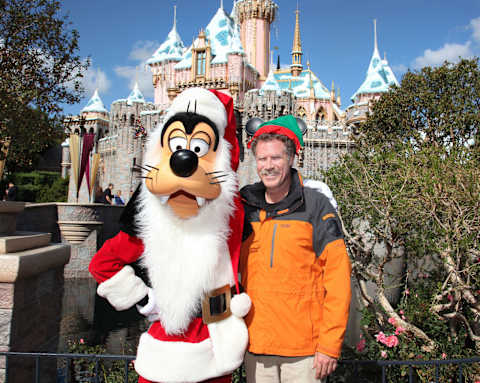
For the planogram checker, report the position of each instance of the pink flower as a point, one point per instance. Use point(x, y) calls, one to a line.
point(392, 321)
point(444, 356)
point(399, 330)
point(407, 292)
point(391, 341)
point(403, 317)
point(401, 312)
point(380, 337)
point(361, 345)
point(82, 341)
point(383, 354)
point(450, 297)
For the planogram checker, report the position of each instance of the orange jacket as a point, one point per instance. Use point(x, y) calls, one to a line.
point(295, 268)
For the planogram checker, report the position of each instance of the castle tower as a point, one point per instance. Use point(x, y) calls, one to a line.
point(255, 17)
point(162, 64)
point(378, 80)
point(296, 67)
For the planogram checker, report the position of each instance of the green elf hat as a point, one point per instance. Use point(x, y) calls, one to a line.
point(284, 125)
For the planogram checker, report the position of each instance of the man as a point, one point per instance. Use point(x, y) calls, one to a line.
point(294, 266)
point(108, 195)
point(11, 192)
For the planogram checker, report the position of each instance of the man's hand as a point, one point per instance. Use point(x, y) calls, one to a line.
point(324, 365)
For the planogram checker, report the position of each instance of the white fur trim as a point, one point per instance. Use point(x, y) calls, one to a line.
point(124, 289)
point(207, 104)
point(240, 305)
point(187, 256)
point(163, 361)
point(323, 188)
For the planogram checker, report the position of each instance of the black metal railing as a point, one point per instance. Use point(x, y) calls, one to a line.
point(358, 371)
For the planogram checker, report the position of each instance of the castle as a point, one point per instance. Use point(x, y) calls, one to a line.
point(231, 54)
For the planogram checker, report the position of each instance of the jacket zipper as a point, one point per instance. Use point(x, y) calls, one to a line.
point(273, 245)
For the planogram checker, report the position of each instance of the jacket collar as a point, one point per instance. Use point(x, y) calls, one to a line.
point(254, 195)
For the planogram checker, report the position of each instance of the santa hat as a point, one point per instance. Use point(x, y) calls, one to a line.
point(284, 125)
point(218, 107)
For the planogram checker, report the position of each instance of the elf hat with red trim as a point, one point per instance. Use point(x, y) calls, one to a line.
point(284, 125)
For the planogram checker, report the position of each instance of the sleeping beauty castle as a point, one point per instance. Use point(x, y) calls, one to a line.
point(230, 54)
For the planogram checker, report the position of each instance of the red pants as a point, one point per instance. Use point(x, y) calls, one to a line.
point(221, 379)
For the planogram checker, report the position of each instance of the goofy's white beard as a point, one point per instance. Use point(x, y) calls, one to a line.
point(186, 258)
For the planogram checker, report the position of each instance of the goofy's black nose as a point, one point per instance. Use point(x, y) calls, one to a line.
point(184, 162)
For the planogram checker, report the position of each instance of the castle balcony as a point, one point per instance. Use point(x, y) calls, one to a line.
point(357, 113)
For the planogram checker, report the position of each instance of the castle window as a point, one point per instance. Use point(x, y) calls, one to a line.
point(201, 63)
point(132, 120)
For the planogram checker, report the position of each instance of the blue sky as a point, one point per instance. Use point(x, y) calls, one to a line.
point(337, 37)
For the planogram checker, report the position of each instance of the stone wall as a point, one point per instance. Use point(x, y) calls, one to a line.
point(31, 291)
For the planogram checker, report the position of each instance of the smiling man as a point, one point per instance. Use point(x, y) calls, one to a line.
point(294, 266)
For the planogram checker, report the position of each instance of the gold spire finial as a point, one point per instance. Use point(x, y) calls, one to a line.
point(296, 67)
point(297, 43)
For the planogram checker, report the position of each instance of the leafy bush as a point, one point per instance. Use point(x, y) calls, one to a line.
point(85, 370)
point(41, 186)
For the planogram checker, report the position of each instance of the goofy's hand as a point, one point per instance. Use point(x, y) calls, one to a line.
point(150, 310)
point(324, 365)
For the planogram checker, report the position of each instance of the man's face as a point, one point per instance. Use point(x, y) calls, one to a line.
point(273, 164)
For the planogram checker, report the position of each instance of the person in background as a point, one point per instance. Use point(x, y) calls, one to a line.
point(118, 200)
point(11, 192)
point(294, 266)
point(108, 195)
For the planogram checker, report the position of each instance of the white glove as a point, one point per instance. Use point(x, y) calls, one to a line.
point(150, 310)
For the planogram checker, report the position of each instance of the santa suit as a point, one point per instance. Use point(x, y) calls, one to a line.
point(179, 346)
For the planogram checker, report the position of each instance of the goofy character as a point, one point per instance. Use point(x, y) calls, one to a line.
point(189, 221)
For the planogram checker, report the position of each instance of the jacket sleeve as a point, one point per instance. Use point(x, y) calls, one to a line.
point(330, 248)
point(117, 280)
point(336, 283)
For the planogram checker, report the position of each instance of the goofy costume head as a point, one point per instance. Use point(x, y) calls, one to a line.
point(189, 220)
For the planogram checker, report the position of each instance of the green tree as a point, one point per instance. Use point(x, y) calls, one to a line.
point(411, 187)
point(39, 70)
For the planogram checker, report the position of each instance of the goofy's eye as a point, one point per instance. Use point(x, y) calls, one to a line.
point(199, 147)
point(177, 143)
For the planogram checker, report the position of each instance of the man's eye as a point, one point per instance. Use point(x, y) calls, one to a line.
point(177, 143)
point(199, 147)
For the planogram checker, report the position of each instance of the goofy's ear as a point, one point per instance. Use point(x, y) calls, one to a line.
point(252, 125)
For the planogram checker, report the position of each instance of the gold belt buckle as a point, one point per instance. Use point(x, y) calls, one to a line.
point(207, 315)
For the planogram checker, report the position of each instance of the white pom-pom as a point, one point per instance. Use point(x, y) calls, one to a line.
point(240, 305)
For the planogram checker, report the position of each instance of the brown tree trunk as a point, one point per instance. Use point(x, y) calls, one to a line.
point(4, 145)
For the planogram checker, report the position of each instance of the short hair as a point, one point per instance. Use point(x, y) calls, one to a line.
point(110, 185)
point(289, 144)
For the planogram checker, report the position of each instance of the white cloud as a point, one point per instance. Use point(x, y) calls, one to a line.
point(95, 78)
point(138, 74)
point(475, 26)
point(143, 50)
point(449, 52)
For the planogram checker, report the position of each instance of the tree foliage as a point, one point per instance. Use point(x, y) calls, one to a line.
point(411, 188)
point(39, 70)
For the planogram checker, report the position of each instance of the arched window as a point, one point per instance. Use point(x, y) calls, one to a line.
point(132, 120)
point(301, 112)
point(321, 115)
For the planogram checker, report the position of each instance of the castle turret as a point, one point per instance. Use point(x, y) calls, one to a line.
point(296, 67)
point(378, 80)
point(255, 17)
